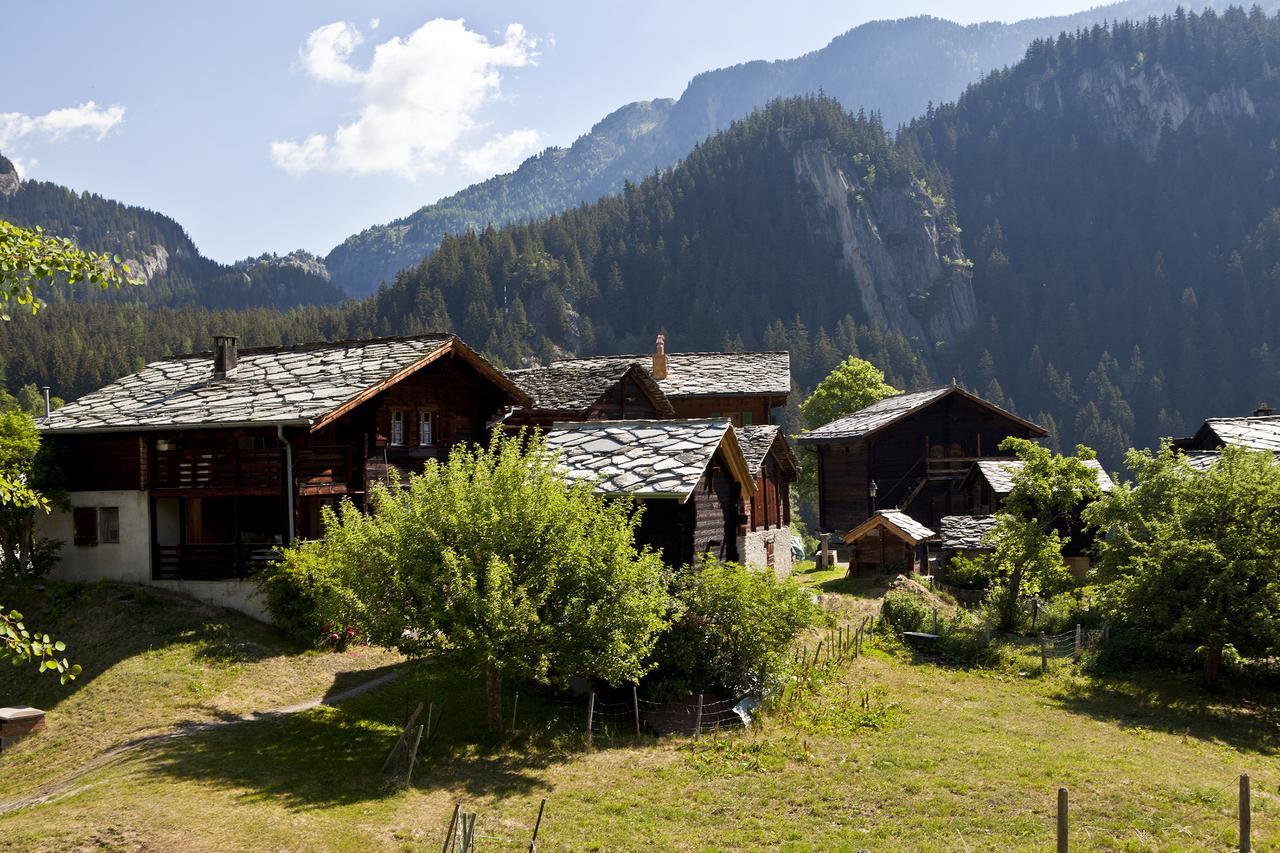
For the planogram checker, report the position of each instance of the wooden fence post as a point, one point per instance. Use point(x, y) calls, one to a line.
point(1245, 815)
point(635, 703)
point(1063, 820)
point(514, 706)
point(413, 757)
point(935, 621)
point(697, 729)
point(1044, 655)
point(1079, 641)
point(533, 844)
point(591, 712)
point(453, 822)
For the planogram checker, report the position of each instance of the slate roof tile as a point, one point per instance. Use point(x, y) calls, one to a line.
point(965, 532)
point(707, 374)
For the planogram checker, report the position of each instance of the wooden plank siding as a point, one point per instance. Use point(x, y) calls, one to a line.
point(758, 408)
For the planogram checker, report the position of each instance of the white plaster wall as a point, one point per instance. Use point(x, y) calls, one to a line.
point(130, 561)
point(752, 550)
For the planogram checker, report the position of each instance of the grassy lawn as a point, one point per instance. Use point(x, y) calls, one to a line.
point(950, 760)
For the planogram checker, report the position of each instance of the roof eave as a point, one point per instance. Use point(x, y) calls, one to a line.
point(171, 427)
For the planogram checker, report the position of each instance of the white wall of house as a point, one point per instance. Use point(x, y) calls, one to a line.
point(753, 547)
point(129, 561)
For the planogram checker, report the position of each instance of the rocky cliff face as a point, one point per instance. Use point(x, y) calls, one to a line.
point(1138, 102)
point(908, 270)
point(9, 181)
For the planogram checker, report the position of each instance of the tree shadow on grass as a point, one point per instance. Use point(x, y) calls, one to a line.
point(1177, 704)
point(106, 623)
point(334, 755)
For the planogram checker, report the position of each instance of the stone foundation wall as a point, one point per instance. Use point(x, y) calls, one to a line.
point(753, 550)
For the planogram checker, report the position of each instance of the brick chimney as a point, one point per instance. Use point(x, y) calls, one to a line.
point(1263, 410)
point(226, 355)
point(660, 357)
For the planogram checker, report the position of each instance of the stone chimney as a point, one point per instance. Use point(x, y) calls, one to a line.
point(1263, 410)
point(660, 357)
point(226, 355)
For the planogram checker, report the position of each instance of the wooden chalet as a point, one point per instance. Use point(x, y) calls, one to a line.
point(690, 475)
point(888, 541)
point(1258, 431)
point(990, 481)
point(912, 450)
point(744, 387)
point(195, 469)
point(572, 391)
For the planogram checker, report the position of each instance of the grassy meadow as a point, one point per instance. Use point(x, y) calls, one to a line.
point(885, 752)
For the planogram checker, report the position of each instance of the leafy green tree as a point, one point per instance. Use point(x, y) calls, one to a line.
point(22, 554)
point(29, 256)
point(492, 558)
point(1035, 520)
point(732, 630)
point(854, 384)
point(20, 646)
point(1192, 556)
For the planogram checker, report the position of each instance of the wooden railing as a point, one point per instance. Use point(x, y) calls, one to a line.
point(950, 467)
point(210, 562)
point(323, 466)
point(216, 467)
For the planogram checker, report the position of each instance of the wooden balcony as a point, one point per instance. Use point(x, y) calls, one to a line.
point(323, 470)
point(949, 467)
point(209, 562)
point(216, 469)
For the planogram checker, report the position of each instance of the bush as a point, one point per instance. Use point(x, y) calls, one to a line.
point(730, 632)
point(1063, 612)
point(968, 573)
point(906, 612)
point(305, 599)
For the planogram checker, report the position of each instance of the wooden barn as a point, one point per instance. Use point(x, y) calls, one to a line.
point(690, 475)
point(194, 470)
point(1258, 431)
point(888, 541)
point(910, 452)
point(574, 391)
point(765, 540)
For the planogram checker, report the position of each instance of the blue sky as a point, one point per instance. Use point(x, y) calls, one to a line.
point(284, 124)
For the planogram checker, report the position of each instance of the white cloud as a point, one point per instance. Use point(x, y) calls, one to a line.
point(419, 101)
point(502, 153)
point(88, 118)
point(374, 23)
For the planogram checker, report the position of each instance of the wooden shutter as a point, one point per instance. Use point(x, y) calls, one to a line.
point(85, 521)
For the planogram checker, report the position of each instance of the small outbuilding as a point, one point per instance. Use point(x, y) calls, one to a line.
point(888, 541)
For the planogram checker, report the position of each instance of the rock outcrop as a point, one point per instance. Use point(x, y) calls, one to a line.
point(908, 273)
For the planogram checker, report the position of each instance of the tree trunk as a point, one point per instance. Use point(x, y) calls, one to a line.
point(1010, 616)
point(1213, 663)
point(493, 692)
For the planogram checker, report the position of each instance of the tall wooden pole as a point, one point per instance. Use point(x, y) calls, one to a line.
point(1063, 820)
point(1245, 816)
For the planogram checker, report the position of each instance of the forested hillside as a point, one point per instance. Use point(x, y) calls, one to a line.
point(1119, 194)
point(1091, 237)
point(896, 68)
point(159, 250)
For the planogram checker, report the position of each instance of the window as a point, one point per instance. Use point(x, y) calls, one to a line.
point(109, 525)
point(85, 521)
point(746, 419)
point(397, 428)
point(426, 433)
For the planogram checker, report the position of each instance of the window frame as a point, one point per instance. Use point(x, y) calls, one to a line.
point(113, 529)
point(426, 428)
point(81, 518)
point(397, 420)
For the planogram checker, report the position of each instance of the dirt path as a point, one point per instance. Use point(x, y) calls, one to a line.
point(64, 784)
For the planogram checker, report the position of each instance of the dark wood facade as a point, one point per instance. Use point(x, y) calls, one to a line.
point(706, 523)
point(918, 462)
point(742, 409)
point(627, 399)
point(220, 498)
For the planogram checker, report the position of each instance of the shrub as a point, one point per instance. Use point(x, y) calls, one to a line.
point(1063, 612)
point(906, 612)
point(968, 573)
point(731, 630)
point(305, 598)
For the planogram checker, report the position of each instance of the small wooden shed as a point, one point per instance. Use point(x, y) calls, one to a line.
point(890, 540)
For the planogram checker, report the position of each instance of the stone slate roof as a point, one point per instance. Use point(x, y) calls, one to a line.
point(884, 412)
point(965, 532)
point(711, 374)
point(570, 386)
point(1201, 460)
point(1260, 432)
point(644, 459)
point(913, 529)
point(296, 385)
point(756, 441)
point(999, 473)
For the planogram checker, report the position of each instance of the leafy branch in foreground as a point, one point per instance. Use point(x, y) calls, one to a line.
point(21, 646)
point(28, 256)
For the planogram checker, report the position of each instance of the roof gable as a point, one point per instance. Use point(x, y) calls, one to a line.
point(890, 410)
point(710, 374)
point(1259, 432)
point(303, 385)
point(575, 387)
point(759, 441)
point(901, 524)
point(647, 459)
